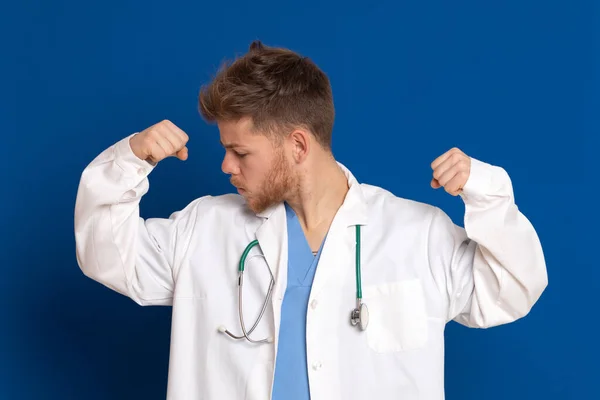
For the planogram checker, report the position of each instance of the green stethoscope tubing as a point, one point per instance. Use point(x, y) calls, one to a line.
point(245, 254)
point(358, 278)
point(358, 268)
point(359, 315)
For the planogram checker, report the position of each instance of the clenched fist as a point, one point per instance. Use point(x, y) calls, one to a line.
point(160, 141)
point(451, 171)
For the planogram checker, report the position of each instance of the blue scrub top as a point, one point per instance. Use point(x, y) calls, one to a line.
point(291, 374)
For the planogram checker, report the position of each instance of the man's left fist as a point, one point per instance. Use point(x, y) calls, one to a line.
point(451, 171)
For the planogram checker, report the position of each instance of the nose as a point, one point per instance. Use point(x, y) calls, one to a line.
point(229, 165)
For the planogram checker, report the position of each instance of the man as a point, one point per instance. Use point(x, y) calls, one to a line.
point(351, 285)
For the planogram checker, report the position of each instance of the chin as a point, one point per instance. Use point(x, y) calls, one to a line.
point(256, 206)
point(253, 208)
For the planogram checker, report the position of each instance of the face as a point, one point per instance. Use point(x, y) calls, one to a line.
point(258, 167)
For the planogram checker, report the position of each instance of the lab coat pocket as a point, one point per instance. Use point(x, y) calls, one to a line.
point(397, 316)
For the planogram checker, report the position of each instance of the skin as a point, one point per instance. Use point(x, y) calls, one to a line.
point(296, 170)
point(451, 171)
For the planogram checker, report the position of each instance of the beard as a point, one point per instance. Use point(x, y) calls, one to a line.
point(278, 184)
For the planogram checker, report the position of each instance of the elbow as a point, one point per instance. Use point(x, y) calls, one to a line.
point(86, 265)
point(519, 301)
point(515, 300)
point(536, 281)
point(539, 285)
point(84, 246)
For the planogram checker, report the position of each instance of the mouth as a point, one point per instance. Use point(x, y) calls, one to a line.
point(238, 188)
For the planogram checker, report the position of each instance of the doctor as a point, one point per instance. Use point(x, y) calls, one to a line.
point(346, 288)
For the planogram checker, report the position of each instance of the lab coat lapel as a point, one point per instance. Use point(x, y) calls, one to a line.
point(338, 253)
point(272, 238)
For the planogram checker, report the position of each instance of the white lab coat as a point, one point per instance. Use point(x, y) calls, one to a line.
point(419, 271)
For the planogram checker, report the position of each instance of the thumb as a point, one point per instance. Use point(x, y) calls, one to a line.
point(182, 154)
point(435, 184)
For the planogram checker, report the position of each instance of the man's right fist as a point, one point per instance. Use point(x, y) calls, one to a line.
point(160, 141)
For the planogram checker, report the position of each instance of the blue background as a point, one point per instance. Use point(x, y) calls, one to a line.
point(513, 84)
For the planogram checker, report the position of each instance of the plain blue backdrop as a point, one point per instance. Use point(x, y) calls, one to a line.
point(512, 83)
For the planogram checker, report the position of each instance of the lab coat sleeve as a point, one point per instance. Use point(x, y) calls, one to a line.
point(114, 245)
point(492, 271)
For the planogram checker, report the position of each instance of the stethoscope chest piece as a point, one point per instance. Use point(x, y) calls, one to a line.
point(360, 316)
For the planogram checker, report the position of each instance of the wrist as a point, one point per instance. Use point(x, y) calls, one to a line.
point(135, 147)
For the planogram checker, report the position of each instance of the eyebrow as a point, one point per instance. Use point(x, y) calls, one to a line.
point(230, 145)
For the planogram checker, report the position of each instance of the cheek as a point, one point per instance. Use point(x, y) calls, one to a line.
point(252, 168)
point(249, 174)
point(255, 170)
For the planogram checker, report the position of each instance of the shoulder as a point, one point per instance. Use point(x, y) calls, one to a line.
point(226, 205)
point(222, 213)
point(396, 222)
point(402, 214)
point(382, 199)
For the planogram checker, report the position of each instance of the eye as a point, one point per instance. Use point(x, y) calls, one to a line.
point(241, 155)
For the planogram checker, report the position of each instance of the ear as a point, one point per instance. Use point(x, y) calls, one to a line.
point(300, 143)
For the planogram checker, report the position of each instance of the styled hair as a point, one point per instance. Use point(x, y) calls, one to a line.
point(277, 88)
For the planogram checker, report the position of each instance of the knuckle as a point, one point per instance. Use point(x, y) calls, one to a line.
point(148, 139)
point(152, 134)
point(171, 125)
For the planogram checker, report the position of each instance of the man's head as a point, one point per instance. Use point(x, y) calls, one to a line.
point(273, 108)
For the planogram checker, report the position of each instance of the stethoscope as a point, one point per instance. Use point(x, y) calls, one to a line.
point(358, 317)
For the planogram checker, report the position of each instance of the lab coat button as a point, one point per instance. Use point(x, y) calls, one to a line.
point(314, 303)
point(141, 171)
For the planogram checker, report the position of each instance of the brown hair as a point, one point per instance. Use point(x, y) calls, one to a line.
point(277, 88)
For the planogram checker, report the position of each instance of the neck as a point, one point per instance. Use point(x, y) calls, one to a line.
point(320, 193)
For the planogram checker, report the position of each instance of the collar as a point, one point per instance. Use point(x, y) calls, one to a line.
point(353, 210)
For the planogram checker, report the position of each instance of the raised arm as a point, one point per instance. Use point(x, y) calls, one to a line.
point(116, 247)
point(492, 271)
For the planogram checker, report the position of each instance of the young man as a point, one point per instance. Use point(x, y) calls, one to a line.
point(351, 286)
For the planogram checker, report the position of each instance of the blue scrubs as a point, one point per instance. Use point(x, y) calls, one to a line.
point(291, 375)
